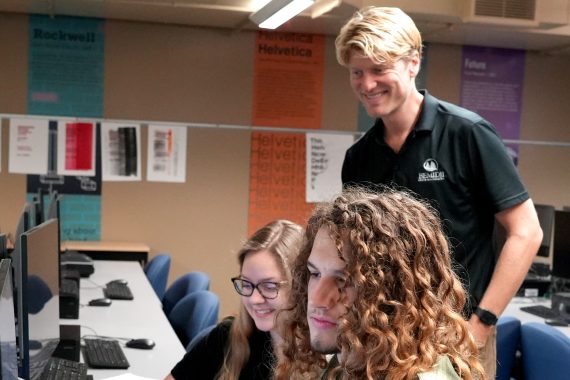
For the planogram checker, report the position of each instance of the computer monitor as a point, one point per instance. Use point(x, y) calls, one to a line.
point(8, 348)
point(52, 210)
point(561, 245)
point(3, 246)
point(41, 209)
point(546, 219)
point(34, 212)
point(36, 270)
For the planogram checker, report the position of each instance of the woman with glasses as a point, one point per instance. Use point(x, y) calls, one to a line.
point(245, 347)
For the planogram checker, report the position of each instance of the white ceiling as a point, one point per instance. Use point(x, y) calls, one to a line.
point(443, 21)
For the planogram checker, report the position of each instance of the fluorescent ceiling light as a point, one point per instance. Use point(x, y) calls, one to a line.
point(323, 6)
point(277, 12)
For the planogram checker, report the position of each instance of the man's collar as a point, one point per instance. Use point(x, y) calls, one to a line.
point(426, 120)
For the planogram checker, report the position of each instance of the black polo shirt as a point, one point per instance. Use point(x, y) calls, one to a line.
point(456, 160)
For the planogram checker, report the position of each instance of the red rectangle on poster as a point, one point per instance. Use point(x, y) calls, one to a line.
point(79, 146)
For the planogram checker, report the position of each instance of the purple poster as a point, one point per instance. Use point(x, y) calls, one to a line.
point(491, 85)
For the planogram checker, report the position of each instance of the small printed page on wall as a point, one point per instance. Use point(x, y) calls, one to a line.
point(121, 152)
point(28, 146)
point(166, 158)
point(325, 155)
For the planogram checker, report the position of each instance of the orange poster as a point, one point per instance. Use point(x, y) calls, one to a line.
point(277, 179)
point(288, 80)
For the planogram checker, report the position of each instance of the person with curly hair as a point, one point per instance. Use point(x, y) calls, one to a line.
point(448, 155)
point(373, 285)
point(245, 347)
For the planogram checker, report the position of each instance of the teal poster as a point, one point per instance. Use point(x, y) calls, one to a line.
point(66, 78)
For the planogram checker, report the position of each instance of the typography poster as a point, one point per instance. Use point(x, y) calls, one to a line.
point(288, 80)
point(65, 78)
point(491, 85)
point(277, 179)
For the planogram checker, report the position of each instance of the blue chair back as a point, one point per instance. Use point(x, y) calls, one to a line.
point(183, 285)
point(193, 313)
point(508, 339)
point(156, 271)
point(39, 294)
point(545, 352)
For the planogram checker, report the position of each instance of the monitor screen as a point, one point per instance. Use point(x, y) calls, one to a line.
point(561, 245)
point(546, 219)
point(37, 297)
point(8, 350)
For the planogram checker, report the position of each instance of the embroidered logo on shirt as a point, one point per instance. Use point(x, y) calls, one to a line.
point(432, 173)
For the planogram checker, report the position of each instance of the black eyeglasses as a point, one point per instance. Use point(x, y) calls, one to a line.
point(267, 289)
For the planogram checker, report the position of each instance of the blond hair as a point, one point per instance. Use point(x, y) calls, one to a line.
point(383, 34)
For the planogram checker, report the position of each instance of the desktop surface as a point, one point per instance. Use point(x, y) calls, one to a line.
point(513, 309)
point(130, 319)
point(109, 250)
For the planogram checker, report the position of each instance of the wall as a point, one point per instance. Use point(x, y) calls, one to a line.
point(173, 73)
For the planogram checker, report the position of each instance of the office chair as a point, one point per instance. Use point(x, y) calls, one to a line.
point(545, 352)
point(183, 285)
point(508, 338)
point(193, 313)
point(39, 294)
point(156, 271)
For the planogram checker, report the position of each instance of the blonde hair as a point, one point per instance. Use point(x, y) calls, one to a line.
point(283, 239)
point(383, 34)
point(408, 302)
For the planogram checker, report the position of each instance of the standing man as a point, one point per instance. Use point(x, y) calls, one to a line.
point(447, 155)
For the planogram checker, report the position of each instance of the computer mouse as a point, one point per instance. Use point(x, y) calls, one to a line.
point(556, 322)
point(118, 281)
point(100, 302)
point(142, 343)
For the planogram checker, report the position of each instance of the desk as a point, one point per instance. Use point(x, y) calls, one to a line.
point(513, 309)
point(139, 318)
point(109, 250)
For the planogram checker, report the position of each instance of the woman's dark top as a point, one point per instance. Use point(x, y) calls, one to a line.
point(205, 359)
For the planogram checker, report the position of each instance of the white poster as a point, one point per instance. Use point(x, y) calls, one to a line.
point(166, 158)
point(120, 152)
point(28, 149)
point(325, 154)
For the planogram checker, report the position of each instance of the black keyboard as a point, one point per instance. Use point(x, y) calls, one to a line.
point(63, 369)
point(104, 353)
point(118, 291)
point(541, 311)
point(40, 357)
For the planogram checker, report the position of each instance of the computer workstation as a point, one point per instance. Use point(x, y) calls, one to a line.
point(556, 310)
point(126, 320)
point(43, 336)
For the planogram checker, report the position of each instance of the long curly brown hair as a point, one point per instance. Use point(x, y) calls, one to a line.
point(408, 303)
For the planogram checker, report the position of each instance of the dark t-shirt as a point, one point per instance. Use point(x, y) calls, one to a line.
point(205, 359)
point(454, 159)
